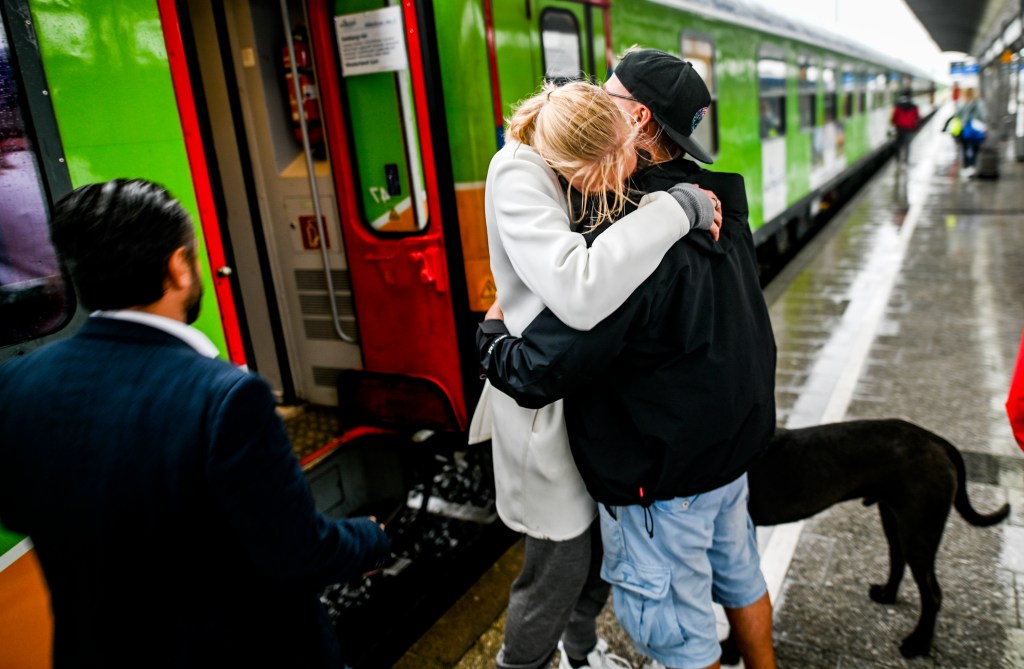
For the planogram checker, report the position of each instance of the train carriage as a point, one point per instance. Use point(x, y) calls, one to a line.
point(333, 155)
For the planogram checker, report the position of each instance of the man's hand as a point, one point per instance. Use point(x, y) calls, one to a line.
point(717, 204)
point(495, 313)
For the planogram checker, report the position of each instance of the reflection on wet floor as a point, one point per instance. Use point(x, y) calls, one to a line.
point(909, 304)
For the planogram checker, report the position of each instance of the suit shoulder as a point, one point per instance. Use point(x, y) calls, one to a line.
point(217, 372)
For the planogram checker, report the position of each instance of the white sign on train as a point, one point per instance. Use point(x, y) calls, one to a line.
point(371, 41)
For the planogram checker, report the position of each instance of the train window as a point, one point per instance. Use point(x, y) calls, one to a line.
point(560, 45)
point(807, 85)
point(849, 100)
point(771, 76)
point(828, 78)
point(34, 300)
point(386, 150)
point(700, 51)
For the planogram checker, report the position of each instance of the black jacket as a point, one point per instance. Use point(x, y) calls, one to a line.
point(674, 393)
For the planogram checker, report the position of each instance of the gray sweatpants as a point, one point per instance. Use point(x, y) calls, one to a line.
point(559, 593)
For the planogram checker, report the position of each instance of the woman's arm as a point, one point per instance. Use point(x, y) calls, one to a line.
point(580, 285)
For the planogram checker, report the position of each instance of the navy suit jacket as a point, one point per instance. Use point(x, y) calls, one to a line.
point(172, 520)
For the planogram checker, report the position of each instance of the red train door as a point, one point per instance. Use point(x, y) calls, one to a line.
point(378, 132)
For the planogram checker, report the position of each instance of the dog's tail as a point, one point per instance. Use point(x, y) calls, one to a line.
point(962, 504)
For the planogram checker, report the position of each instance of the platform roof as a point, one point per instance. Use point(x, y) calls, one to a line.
point(956, 25)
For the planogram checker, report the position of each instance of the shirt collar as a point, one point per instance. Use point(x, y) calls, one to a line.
point(194, 338)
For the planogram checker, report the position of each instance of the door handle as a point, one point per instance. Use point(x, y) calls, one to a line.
point(426, 273)
point(429, 268)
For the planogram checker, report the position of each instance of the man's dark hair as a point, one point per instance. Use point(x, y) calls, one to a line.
point(116, 239)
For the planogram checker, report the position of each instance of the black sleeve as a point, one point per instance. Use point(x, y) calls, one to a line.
point(261, 493)
point(551, 359)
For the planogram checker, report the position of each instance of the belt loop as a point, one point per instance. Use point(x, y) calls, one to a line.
point(611, 513)
point(649, 516)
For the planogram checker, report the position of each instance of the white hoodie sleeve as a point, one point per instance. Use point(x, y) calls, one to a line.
point(581, 285)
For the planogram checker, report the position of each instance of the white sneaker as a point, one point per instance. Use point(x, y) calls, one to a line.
point(599, 658)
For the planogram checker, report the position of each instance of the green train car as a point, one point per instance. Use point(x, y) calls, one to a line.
point(333, 155)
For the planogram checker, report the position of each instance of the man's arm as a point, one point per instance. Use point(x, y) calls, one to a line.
point(260, 491)
point(551, 359)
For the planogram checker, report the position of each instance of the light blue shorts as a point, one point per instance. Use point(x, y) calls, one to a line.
point(704, 550)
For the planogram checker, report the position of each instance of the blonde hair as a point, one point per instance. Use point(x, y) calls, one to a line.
point(583, 136)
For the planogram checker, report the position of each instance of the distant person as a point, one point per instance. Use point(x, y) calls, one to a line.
point(1015, 402)
point(905, 119)
point(956, 95)
point(171, 518)
point(973, 118)
point(668, 400)
point(565, 136)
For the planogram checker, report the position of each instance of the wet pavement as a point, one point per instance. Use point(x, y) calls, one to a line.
point(909, 304)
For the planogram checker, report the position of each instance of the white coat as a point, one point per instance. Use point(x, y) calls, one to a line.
point(538, 262)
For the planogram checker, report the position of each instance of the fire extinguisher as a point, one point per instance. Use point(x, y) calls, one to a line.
point(307, 87)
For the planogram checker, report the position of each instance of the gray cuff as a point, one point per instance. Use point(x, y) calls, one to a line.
point(696, 205)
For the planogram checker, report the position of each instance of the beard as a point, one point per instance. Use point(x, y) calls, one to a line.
point(195, 299)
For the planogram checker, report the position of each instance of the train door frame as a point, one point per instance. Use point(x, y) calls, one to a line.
point(230, 166)
point(185, 90)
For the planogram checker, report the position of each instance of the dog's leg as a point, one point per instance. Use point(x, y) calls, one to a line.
point(886, 594)
point(920, 640)
point(921, 544)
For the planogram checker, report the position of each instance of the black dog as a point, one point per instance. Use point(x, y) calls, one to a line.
point(914, 475)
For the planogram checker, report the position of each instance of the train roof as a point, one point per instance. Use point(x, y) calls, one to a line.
point(765, 20)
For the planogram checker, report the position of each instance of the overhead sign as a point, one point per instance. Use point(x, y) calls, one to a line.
point(371, 41)
point(963, 68)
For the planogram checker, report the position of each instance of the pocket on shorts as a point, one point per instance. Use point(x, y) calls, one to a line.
point(642, 603)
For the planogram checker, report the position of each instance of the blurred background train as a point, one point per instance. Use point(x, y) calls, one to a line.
point(333, 155)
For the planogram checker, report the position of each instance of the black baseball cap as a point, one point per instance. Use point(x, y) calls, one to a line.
point(676, 95)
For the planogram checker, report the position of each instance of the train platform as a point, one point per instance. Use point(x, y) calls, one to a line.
point(908, 304)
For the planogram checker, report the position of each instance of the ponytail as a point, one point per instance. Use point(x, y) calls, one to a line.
point(523, 122)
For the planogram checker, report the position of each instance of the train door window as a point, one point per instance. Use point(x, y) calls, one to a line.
point(560, 45)
point(771, 76)
point(699, 50)
point(385, 147)
point(34, 300)
point(849, 100)
point(828, 78)
point(807, 86)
